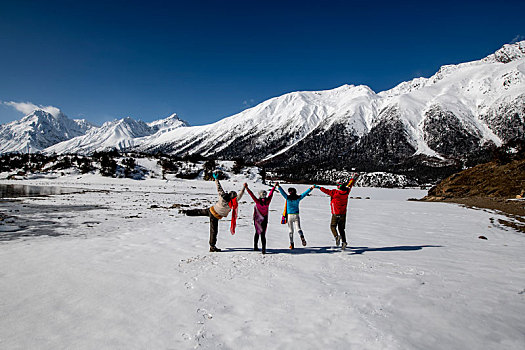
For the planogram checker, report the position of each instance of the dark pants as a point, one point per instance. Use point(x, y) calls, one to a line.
point(214, 222)
point(264, 225)
point(338, 222)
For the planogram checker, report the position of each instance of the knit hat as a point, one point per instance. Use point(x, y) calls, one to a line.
point(229, 196)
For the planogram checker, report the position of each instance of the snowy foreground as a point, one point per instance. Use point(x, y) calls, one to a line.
point(124, 275)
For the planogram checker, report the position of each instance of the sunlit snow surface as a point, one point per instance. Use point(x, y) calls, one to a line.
point(124, 276)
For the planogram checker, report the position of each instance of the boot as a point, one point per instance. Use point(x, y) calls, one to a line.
point(337, 240)
point(214, 249)
point(344, 245)
point(264, 250)
point(303, 241)
point(291, 245)
point(255, 249)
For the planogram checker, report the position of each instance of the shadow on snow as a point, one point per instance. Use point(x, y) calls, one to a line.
point(361, 250)
point(331, 250)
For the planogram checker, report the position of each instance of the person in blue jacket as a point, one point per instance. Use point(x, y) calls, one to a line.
point(292, 211)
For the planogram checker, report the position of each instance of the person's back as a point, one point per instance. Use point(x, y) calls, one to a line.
point(338, 207)
point(293, 200)
point(292, 212)
point(260, 216)
point(338, 200)
point(222, 208)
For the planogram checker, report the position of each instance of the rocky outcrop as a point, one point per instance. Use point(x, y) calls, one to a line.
point(446, 134)
point(484, 180)
point(506, 118)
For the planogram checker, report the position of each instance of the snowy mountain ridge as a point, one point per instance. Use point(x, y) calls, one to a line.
point(471, 101)
point(38, 130)
point(120, 134)
point(460, 110)
point(48, 128)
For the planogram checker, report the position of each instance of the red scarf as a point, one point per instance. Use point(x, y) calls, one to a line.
point(233, 205)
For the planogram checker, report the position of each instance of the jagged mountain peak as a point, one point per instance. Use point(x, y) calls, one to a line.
point(38, 130)
point(123, 133)
point(507, 53)
point(39, 115)
point(126, 127)
point(170, 122)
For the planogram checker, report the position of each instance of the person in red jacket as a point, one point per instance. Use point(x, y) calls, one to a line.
point(338, 204)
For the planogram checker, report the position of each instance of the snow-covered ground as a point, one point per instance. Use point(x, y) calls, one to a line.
point(130, 272)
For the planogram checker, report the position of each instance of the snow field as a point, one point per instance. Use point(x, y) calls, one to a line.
point(129, 275)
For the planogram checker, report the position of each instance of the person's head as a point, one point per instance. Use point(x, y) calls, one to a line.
point(229, 196)
point(341, 186)
point(263, 194)
point(292, 194)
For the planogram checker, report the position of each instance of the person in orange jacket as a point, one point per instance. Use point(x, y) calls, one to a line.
point(338, 205)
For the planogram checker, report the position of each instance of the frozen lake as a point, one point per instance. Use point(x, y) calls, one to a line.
point(124, 269)
point(15, 191)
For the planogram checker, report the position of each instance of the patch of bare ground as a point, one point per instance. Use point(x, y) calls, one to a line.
point(493, 186)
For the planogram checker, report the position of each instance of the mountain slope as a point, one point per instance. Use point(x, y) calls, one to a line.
point(462, 109)
point(274, 125)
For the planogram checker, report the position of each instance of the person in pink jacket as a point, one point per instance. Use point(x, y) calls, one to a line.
point(260, 216)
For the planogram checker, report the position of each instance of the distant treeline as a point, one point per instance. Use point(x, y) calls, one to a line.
point(419, 170)
point(116, 164)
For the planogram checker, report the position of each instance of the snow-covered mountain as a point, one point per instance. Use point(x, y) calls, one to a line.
point(272, 126)
point(38, 130)
point(459, 111)
point(121, 134)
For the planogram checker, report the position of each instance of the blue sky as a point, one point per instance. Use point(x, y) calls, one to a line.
point(206, 60)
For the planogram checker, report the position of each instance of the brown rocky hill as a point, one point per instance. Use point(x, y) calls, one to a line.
point(491, 185)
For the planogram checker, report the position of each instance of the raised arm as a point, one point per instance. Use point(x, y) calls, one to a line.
point(219, 187)
point(326, 191)
point(251, 194)
point(241, 193)
point(283, 193)
point(305, 193)
point(351, 183)
point(271, 194)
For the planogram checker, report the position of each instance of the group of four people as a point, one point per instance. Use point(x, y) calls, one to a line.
point(229, 202)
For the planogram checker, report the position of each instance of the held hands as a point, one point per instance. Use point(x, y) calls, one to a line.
point(245, 185)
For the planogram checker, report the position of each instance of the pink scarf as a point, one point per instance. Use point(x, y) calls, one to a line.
point(233, 205)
